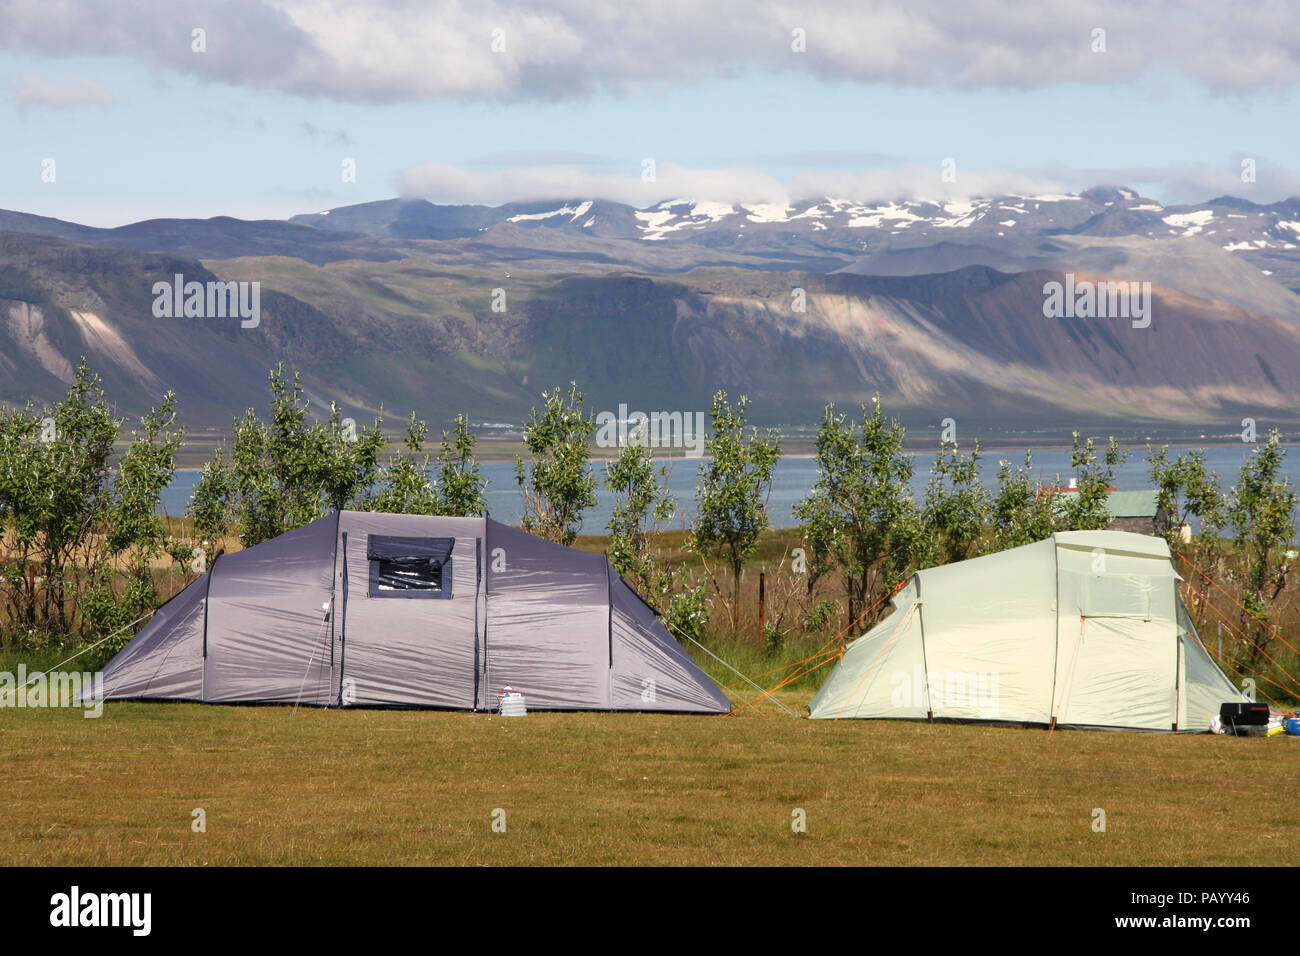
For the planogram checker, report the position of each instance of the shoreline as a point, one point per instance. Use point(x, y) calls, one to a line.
point(989, 453)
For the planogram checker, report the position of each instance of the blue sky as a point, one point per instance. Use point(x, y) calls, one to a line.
point(137, 134)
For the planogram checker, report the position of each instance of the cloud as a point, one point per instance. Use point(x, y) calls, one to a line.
point(72, 93)
point(380, 50)
point(1182, 183)
point(446, 183)
point(248, 43)
point(443, 182)
point(1190, 183)
point(922, 182)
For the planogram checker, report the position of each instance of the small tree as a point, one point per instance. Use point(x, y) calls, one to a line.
point(404, 484)
point(213, 493)
point(1185, 490)
point(135, 537)
point(642, 503)
point(288, 471)
point(860, 518)
point(1086, 509)
point(1261, 508)
point(731, 496)
point(462, 489)
point(559, 485)
point(1022, 510)
point(78, 530)
point(957, 507)
point(54, 494)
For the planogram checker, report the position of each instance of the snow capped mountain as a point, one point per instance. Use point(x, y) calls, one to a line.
point(1236, 225)
point(999, 231)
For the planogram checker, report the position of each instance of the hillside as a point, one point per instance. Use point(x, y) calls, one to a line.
point(937, 306)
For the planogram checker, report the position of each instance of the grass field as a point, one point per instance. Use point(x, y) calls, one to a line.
point(420, 787)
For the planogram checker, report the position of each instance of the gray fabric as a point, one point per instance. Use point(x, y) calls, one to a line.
point(268, 639)
point(292, 620)
point(548, 622)
point(650, 669)
point(165, 660)
point(398, 651)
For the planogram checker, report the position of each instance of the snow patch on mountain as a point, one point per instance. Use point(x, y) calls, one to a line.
point(1190, 222)
point(573, 212)
point(868, 217)
point(767, 212)
point(654, 223)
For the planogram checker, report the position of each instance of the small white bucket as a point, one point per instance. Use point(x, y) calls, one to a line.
point(512, 704)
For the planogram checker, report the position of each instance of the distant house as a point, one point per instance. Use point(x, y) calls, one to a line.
point(1134, 511)
point(1129, 510)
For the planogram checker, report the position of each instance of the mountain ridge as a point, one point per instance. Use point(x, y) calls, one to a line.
point(937, 306)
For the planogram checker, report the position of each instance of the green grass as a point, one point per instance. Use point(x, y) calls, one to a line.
point(420, 787)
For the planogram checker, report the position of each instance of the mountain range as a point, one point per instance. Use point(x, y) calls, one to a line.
point(404, 305)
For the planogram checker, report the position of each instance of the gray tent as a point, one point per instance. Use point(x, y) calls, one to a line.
point(362, 609)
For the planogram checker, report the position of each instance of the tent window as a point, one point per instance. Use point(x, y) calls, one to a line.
point(406, 567)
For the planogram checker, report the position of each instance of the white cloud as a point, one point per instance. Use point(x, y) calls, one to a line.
point(446, 183)
point(72, 93)
point(414, 49)
point(1193, 182)
point(921, 182)
point(443, 182)
point(1180, 183)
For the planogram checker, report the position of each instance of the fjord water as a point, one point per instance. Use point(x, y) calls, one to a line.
point(795, 476)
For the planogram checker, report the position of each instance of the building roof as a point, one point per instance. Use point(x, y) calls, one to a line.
point(1120, 504)
point(1132, 504)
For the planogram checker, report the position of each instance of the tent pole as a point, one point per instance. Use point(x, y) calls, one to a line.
point(478, 590)
point(609, 633)
point(925, 663)
point(1056, 626)
point(343, 620)
point(207, 594)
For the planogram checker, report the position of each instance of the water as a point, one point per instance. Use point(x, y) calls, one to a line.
point(795, 476)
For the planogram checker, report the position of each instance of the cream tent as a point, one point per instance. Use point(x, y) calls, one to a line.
point(1084, 629)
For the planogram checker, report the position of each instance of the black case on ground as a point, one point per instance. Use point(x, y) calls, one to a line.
point(1244, 714)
